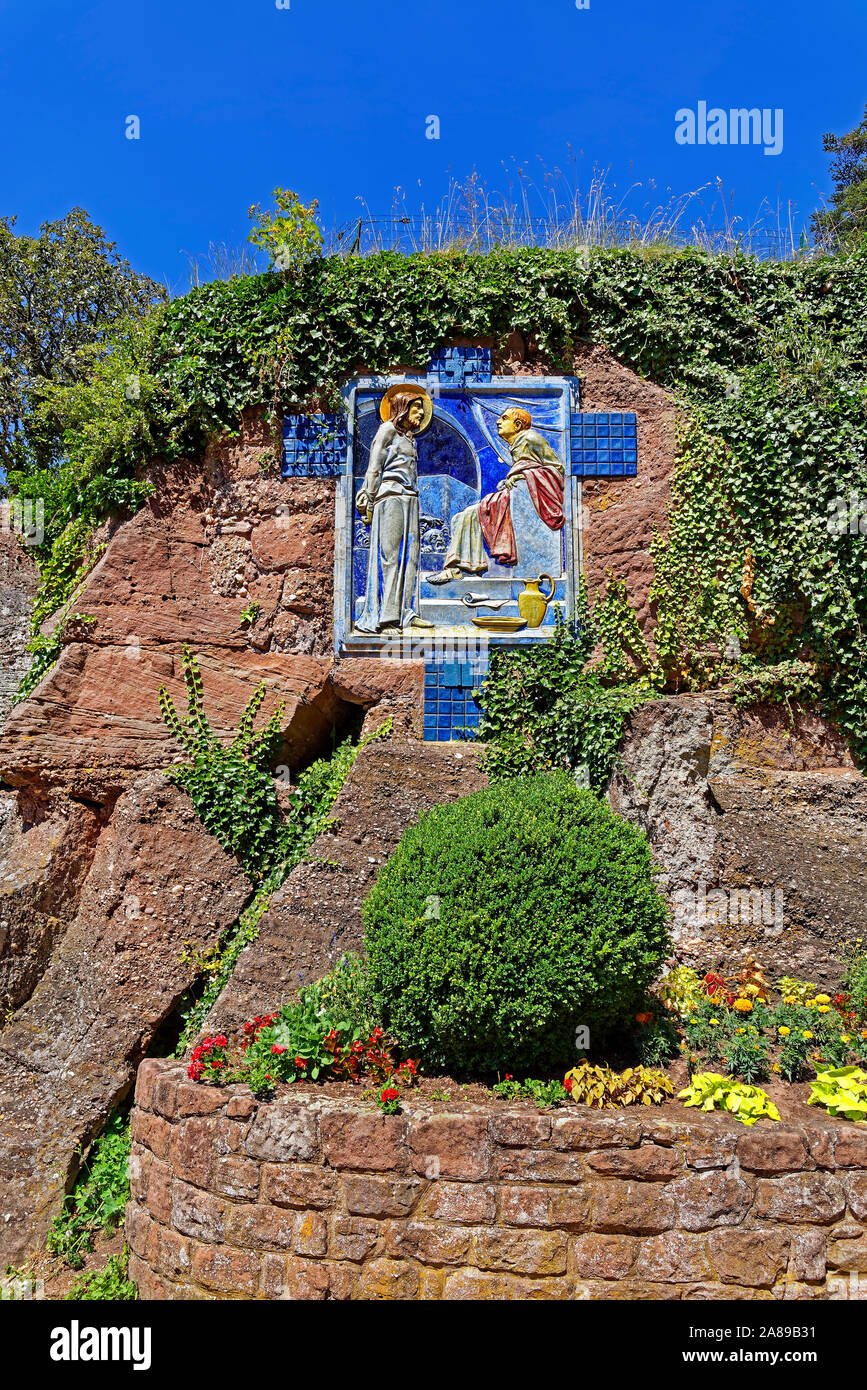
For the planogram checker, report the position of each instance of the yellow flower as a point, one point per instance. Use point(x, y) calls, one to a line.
point(845, 1037)
point(864, 1032)
point(810, 1003)
point(806, 1035)
point(824, 1009)
point(776, 1067)
point(738, 1031)
point(784, 1032)
point(823, 998)
point(714, 1020)
point(744, 1006)
point(751, 989)
point(789, 999)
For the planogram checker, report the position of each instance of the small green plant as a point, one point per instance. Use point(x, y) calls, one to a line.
point(542, 1093)
point(289, 233)
point(99, 1199)
point(712, 1091)
point(601, 1088)
point(843, 1092)
point(111, 1284)
point(680, 990)
point(249, 614)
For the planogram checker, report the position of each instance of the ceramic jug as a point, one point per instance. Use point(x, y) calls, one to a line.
point(532, 603)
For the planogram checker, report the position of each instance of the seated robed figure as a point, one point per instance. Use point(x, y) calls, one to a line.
point(485, 529)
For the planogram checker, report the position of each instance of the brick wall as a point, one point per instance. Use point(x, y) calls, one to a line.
point(311, 1198)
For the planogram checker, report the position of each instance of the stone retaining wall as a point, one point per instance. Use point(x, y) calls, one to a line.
point(311, 1198)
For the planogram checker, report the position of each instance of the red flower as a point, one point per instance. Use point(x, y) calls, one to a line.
point(301, 1063)
point(390, 1094)
point(277, 1050)
point(568, 1083)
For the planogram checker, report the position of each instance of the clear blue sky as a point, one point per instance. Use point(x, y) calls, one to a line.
point(330, 97)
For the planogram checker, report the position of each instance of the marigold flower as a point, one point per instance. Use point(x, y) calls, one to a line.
point(744, 1006)
point(823, 998)
point(806, 1035)
point(643, 1018)
point(784, 1032)
point(824, 1009)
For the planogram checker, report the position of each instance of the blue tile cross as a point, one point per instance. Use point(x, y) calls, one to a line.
point(604, 445)
point(450, 712)
point(314, 446)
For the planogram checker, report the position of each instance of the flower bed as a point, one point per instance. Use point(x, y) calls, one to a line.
point(316, 1194)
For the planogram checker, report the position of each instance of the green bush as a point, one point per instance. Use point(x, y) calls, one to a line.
point(504, 921)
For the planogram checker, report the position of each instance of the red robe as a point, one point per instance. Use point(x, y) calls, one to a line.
point(546, 487)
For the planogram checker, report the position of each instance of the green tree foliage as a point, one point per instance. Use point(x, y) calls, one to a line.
point(845, 221)
point(60, 292)
point(507, 919)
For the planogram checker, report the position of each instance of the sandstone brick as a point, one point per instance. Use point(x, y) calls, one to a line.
point(848, 1255)
point(353, 1238)
point(291, 1185)
point(225, 1269)
point(256, 1226)
point(807, 1259)
point(192, 1098)
point(712, 1199)
point(571, 1207)
point(431, 1284)
point(521, 1252)
point(471, 1204)
point(152, 1288)
point(283, 1132)
point(821, 1146)
point(159, 1194)
point(146, 1075)
point(237, 1178)
point(191, 1151)
point(387, 1281)
point(634, 1209)
point(197, 1214)
point(816, 1198)
point(274, 1276)
point(856, 1187)
point(714, 1293)
point(152, 1131)
point(772, 1150)
point(141, 1232)
point(676, 1257)
point(755, 1259)
point(173, 1255)
point(526, 1206)
point(603, 1257)
point(649, 1163)
point(850, 1150)
point(140, 1161)
point(241, 1107)
point(306, 1280)
point(451, 1146)
point(704, 1151)
point(311, 1234)
point(164, 1095)
point(427, 1241)
point(366, 1196)
point(520, 1131)
point(587, 1130)
point(537, 1165)
point(340, 1277)
point(472, 1285)
point(371, 1142)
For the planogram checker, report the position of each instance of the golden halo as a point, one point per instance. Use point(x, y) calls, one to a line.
point(419, 391)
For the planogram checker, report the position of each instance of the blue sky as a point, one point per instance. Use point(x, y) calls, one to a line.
point(331, 97)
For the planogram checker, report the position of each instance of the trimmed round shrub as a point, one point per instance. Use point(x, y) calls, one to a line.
point(507, 919)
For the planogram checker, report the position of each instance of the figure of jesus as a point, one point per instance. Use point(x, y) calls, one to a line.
point(486, 529)
point(389, 502)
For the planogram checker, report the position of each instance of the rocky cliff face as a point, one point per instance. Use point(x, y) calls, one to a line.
point(18, 580)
